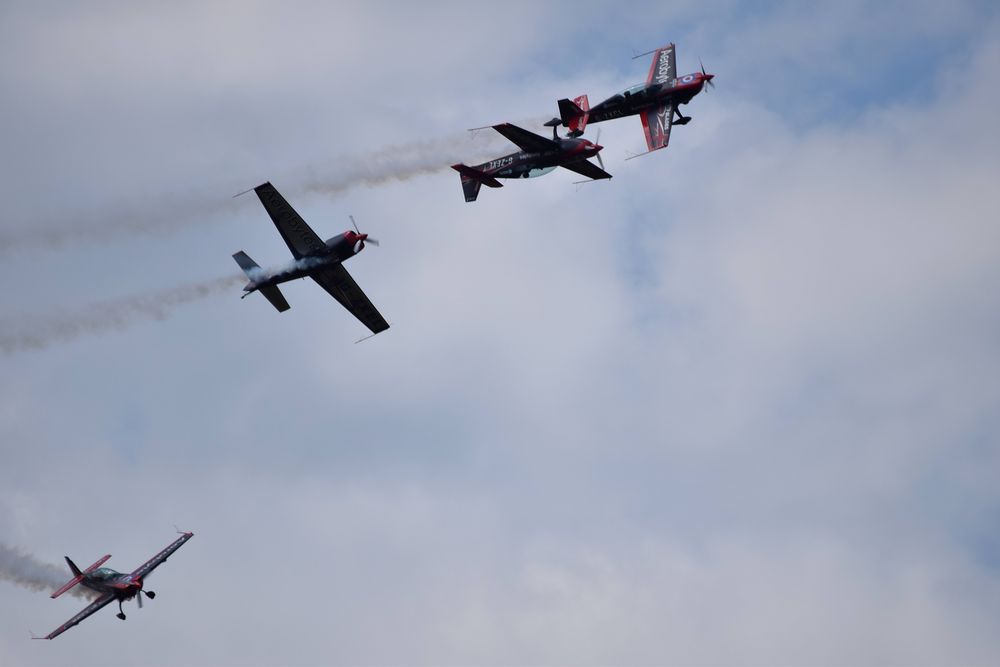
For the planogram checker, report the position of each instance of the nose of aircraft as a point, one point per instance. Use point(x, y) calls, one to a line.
point(709, 77)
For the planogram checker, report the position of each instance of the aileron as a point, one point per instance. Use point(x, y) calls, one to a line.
point(341, 286)
point(525, 140)
point(656, 124)
point(588, 169)
point(299, 237)
point(89, 610)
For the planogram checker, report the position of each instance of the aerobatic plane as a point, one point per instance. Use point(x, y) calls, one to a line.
point(657, 101)
point(112, 586)
point(538, 155)
point(320, 260)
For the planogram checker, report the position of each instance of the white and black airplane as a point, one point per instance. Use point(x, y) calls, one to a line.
point(314, 258)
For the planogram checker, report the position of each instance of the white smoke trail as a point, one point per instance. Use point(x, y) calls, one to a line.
point(260, 274)
point(406, 161)
point(172, 211)
point(19, 334)
point(25, 570)
point(158, 214)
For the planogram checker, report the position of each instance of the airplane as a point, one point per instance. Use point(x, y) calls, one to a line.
point(112, 585)
point(319, 260)
point(656, 101)
point(538, 156)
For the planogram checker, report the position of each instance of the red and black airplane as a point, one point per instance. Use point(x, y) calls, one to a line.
point(320, 260)
point(538, 156)
point(656, 101)
point(111, 585)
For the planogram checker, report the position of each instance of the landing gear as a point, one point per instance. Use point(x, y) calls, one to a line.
point(681, 118)
point(150, 594)
point(120, 614)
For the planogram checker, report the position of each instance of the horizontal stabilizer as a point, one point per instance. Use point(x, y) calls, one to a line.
point(68, 585)
point(245, 263)
point(472, 178)
point(274, 295)
point(251, 268)
point(78, 575)
point(481, 176)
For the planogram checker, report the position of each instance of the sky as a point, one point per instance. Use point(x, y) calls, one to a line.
point(740, 405)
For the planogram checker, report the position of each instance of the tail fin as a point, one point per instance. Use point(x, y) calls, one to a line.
point(254, 272)
point(472, 178)
point(575, 114)
point(78, 574)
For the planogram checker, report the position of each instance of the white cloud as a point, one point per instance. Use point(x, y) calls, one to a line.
point(735, 406)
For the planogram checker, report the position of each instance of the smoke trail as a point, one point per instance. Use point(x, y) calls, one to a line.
point(25, 570)
point(406, 161)
point(35, 334)
point(156, 215)
point(260, 274)
point(168, 212)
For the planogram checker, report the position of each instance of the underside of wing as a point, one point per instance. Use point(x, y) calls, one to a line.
point(94, 606)
point(299, 237)
point(588, 169)
point(159, 558)
point(656, 123)
point(664, 67)
point(341, 286)
point(526, 141)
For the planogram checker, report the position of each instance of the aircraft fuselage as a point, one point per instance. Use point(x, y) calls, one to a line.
point(524, 164)
point(640, 97)
point(335, 251)
point(105, 580)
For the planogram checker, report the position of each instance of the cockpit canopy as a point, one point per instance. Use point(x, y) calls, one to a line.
point(632, 90)
point(637, 89)
point(104, 573)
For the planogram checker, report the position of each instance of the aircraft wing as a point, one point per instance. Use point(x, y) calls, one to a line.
point(338, 282)
point(299, 237)
point(94, 606)
point(526, 141)
point(159, 558)
point(656, 123)
point(586, 168)
point(664, 67)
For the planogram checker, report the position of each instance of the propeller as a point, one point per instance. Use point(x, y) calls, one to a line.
point(138, 598)
point(708, 77)
point(598, 142)
point(367, 238)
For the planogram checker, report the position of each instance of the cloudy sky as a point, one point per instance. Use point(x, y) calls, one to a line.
point(739, 405)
